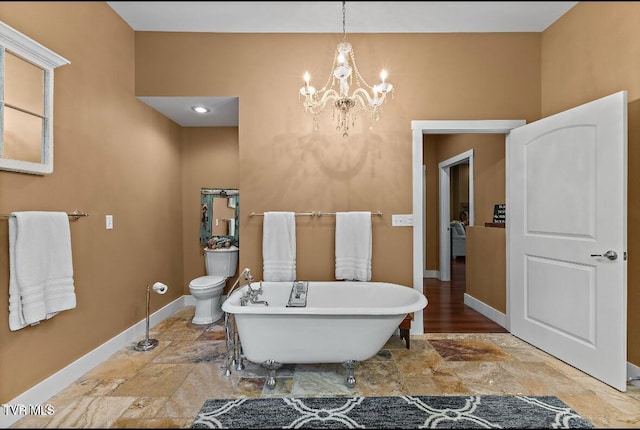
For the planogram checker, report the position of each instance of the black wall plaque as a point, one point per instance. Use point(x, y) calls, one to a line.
point(499, 213)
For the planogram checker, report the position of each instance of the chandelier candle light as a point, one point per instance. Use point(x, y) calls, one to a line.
point(347, 106)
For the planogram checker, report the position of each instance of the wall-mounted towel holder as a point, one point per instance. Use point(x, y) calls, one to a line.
point(73, 216)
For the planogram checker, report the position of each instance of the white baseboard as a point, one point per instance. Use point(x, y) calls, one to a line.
point(189, 300)
point(486, 310)
point(431, 274)
point(633, 374)
point(40, 393)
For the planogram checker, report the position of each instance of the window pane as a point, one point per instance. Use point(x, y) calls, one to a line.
point(22, 136)
point(23, 84)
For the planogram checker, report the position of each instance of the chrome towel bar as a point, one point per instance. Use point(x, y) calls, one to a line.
point(315, 214)
point(74, 216)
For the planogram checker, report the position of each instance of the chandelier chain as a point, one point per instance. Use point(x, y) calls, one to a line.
point(344, 20)
point(344, 32)
point(353, 58)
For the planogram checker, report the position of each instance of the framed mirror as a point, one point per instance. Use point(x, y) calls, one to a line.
point(219, 212)
point(26, 103)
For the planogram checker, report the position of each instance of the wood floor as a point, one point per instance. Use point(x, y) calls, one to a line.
point(446, 311)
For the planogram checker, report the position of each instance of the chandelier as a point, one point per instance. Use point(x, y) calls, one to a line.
point(335, 93)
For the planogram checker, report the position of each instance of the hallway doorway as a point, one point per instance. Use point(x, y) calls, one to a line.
point(450, 204)
point(418, 130)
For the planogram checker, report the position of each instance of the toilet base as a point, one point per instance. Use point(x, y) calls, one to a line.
point(200, 321)
point(208, 311)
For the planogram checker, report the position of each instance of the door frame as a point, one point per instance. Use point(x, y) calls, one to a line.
point(418, 129)
point(444, 175)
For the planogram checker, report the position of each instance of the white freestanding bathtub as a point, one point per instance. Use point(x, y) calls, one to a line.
point(342, 322)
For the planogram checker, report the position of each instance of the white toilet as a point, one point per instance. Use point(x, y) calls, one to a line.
point(220, 264)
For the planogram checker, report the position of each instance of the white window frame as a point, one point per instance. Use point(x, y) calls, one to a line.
point(37, 54)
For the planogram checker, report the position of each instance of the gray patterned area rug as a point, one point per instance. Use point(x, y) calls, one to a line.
point(402, 412)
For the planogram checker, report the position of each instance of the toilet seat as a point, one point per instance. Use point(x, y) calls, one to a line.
point(205, 282)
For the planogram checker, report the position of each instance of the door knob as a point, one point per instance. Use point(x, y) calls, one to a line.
point(611, 255)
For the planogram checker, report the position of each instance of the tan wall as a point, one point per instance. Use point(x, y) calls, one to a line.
point(112, 155)
point(459, 189)
point(485, 276)
point(285, 165)
point(591, 52)
point(463, 188)
point(209, 159)
point(488, 168)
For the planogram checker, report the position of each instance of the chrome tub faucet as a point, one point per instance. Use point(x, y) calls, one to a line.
point(252, 295)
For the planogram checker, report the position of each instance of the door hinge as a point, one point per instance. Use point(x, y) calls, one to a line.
point(625, 256)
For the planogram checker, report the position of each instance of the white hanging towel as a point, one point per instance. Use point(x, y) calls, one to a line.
point(40, 265)
point(279, 246)
point(353, 246)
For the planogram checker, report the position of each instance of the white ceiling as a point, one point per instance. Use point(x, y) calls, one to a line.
point(224, 110)
point(321, 17)
point(326, 16)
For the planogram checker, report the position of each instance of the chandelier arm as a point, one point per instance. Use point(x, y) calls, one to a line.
point(363, 97)
point(317, 106)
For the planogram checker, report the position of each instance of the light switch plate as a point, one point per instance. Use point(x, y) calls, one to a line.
point(402, 220)
point(108, 220)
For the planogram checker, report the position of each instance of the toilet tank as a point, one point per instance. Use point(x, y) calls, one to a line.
point(222, 261)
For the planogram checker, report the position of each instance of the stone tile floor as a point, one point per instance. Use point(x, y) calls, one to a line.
point(167, 386)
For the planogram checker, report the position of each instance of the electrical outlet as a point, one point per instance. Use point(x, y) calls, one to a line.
point(108, 220)
point(402, 220)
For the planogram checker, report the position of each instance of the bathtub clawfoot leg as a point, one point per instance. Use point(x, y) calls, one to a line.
point(239, 364)
point(350, 365)
point(272, 366)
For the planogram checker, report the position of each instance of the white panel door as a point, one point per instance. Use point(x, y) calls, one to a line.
point(566, 208)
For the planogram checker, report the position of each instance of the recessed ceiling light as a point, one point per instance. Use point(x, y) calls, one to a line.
point(200, 109)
